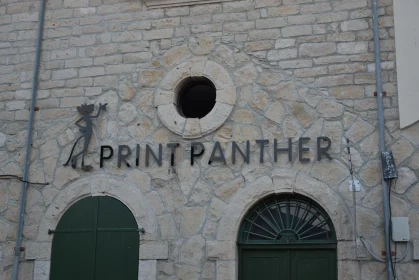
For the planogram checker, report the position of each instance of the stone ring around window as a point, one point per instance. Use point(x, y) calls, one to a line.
point(166, 98)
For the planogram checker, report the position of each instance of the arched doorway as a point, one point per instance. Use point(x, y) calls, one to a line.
point(97, 238)
point(287, 237)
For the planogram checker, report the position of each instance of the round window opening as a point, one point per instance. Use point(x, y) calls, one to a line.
point(196, 97)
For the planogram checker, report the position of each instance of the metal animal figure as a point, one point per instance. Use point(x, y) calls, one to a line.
point(87, 131)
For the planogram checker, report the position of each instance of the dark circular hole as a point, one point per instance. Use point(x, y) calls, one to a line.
point(196, 97)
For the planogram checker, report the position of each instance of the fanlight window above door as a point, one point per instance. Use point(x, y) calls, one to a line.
point(286, 219)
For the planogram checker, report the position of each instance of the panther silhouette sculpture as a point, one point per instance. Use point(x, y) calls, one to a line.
point(87, 130)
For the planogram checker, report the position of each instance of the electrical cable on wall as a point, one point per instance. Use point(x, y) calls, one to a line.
point(356, 230)
point(15, 177)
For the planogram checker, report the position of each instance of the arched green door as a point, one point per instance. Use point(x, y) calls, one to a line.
point(97, 238)
point(287, 237)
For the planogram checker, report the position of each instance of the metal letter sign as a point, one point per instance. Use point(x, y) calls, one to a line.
point(87, 131)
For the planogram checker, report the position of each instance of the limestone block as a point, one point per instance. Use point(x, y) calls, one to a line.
point(316, 49)
point(285, 90)
point(373, 198)
point(192, 129)
point(347, 270)
point(208, 271)
point(371, 173)
point(368, 221)
point(140, 179)
point(224, 55)
point(402, 149)
point(291, 127)
point(171, 118)
point(329, 108)
point(217, 175)
point(275, 112)
point(371, 270)
point(201, 45)
point(346, 250)
point(215, 118)
point(226, 270)
point(354, 25)
point(243, 116)
point(147, 270)
point(64, 175)
point(359, 130)
point(221, 250)
point(406, 178)
point(227, 190)
point(38, 250)
point(218, 75)
point(331, 172)
point(348, 92)
point(2, 139)
point(50, 148)
point(139, 130)
point(245, 75)
point(150, 78)
point(188, 175)
point(301, 30)
point(154, 250)
point(303, 113)
point(41, 270)
point(227, 95)
point(352, 48)
point(126, 91)
point(414, 161)
point(192, 220)
point(187, 272)
point(216, 209)
point(127, 113)
point(259, 100)
point(192, 251)
point(164, 97)
point(176, 55)
point(158, 34)
point(193, 67)
point(334, 130)
point(167, 227)
point(200, 194)
point(413, 194)
point(370, 145)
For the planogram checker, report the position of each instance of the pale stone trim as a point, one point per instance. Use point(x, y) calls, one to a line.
point(95, 185)
point(177, 3)
point(165, 97)
point(301, 183)
point(41, 270)
point(154, 250)
point(147, 270)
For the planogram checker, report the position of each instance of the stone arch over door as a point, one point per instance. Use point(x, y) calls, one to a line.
point(225, 249)
point(98, 185)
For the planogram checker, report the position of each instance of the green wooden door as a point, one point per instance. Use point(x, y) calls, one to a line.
point(287, 264)
point(266, 265)
point(97, 238)
point(287, 237)
point(313, 264)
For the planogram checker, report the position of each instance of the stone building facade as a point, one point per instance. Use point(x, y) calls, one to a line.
point(282, 69)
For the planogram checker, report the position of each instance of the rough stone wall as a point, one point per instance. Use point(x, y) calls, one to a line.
point(300, 68)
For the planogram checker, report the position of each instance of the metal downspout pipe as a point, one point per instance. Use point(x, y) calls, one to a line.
point(29, 141)
point(382, 140)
